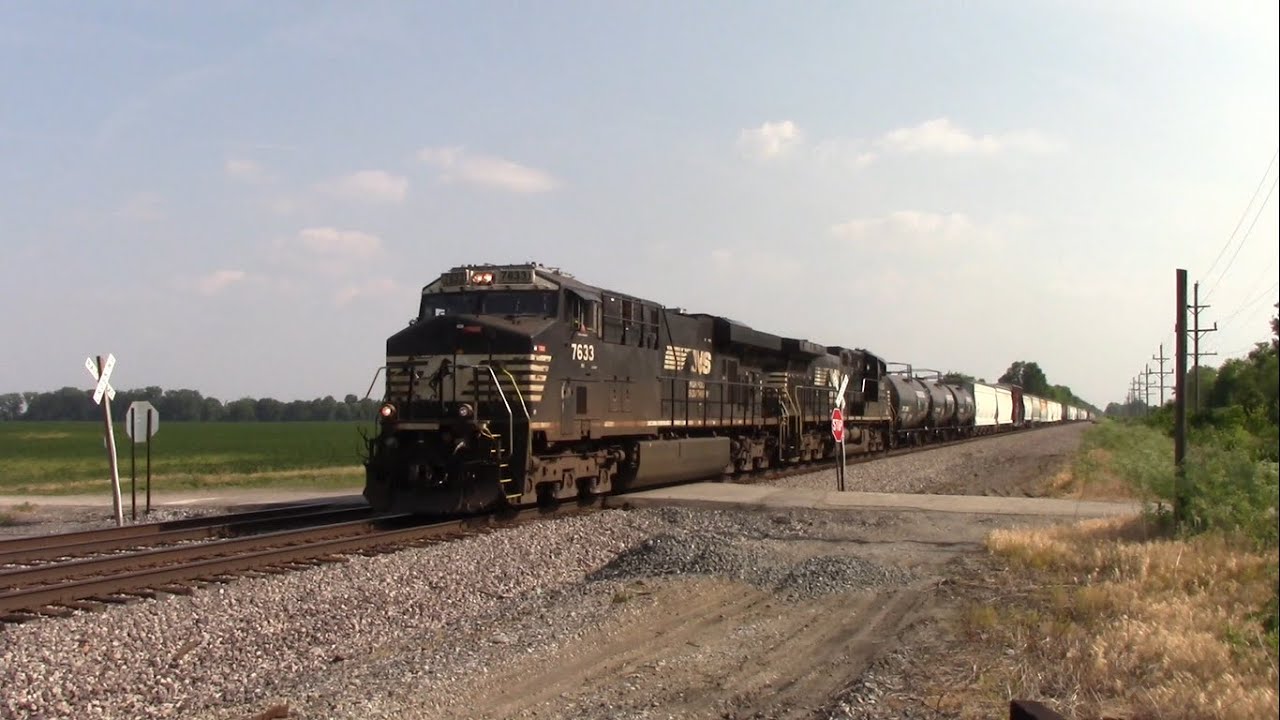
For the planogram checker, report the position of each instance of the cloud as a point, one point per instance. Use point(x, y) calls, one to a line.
point(332, 242)
point(218, 280)
point(905, 222)
point(373, 186)
point(941, 136)
point(244, 170)
point(142, 207)
point(381, 287)
point(938, 136)
point(328, 251)
point(951, 234)
point(770, 140)
point(457, 165)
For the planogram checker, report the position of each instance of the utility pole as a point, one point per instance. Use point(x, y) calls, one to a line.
point(1196, 332)
point(1146, 386)
point(1162, 372)
point(1180, 400)
point(1133, 394)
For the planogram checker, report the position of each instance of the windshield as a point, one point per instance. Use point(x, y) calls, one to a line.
point(539, 303)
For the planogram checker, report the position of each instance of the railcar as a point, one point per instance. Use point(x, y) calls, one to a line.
point(518, 385)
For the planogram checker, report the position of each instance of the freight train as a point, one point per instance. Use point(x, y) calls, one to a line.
point(518, 385)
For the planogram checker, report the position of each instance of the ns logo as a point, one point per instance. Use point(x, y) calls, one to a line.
point(679, 358)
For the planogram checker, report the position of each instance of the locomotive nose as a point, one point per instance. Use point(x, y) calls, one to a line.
point(458, 335)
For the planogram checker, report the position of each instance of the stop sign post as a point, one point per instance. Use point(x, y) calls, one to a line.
point(837, 432)
point(141, 422)
point(837, 429)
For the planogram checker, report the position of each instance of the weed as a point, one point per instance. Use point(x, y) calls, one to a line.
point(1138, 623)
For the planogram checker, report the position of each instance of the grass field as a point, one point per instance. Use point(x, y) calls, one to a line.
point(61, 458)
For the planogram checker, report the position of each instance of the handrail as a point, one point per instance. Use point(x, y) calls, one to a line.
point(511, 418)
point(373, 382)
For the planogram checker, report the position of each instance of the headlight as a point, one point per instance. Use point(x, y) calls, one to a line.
point(387, 411)
point(465, 411)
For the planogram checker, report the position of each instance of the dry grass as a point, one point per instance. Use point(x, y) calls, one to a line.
point(332, 477)
point(13, 514)
point(1093, 479)
point(1108, 619)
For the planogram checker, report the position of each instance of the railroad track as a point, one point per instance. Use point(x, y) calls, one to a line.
point(41, 548)
point(90, 579)
point(59, 589)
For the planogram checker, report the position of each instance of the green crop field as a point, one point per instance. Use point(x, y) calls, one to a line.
point(71, 457)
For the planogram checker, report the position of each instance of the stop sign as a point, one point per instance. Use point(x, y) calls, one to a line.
point(837, 425)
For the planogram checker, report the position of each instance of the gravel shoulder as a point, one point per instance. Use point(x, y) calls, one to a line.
point(1018, 464)
point(651, 613)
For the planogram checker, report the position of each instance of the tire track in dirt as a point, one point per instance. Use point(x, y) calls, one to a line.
point(704, 648)
point(833, 645)
point(593, 665)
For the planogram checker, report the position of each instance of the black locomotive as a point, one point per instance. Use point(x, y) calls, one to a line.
point(518, 384)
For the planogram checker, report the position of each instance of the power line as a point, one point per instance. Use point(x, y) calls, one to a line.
point(1244, 214)
point(1244, 238)
point(1251, 303)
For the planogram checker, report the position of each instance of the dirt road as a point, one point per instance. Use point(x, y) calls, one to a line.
point(733, 615)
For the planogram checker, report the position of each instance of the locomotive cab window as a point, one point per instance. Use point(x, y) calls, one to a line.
point(583, 313)
point(511, 303)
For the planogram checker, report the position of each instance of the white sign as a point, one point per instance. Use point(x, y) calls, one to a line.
point(844, 383)
point(103, 385)
point(136, 420)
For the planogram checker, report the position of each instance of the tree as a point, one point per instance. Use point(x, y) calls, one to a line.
point(12, 406)
point(243, 410)
point(1275, 330)
point(212, 410)
point(957, 378)
point(1028, 376)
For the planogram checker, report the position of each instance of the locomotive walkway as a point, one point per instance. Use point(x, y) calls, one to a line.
point(762, 497)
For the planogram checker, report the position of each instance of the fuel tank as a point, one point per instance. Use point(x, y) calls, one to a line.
point(910, 399)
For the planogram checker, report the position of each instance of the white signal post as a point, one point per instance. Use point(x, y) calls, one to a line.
point(101, 372)
point(837, 428)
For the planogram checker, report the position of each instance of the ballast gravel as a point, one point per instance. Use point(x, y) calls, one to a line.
point(1014, 464)
point(362, 638)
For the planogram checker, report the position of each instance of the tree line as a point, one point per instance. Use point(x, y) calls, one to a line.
point(72, 403)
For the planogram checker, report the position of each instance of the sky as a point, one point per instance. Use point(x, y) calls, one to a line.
point(246, 198)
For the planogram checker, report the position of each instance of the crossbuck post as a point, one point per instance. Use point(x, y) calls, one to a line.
point(103, 393)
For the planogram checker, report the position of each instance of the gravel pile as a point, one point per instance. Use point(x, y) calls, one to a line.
point(371, 637)
point(757, 563)
point(1014, 464)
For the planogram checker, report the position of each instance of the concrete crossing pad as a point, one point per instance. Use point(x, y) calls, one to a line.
point(736, 496)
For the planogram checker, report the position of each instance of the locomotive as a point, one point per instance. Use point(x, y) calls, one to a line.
point(518, 385)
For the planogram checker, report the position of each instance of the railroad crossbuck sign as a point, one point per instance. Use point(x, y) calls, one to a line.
point(104, 386)
point(100, 370)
